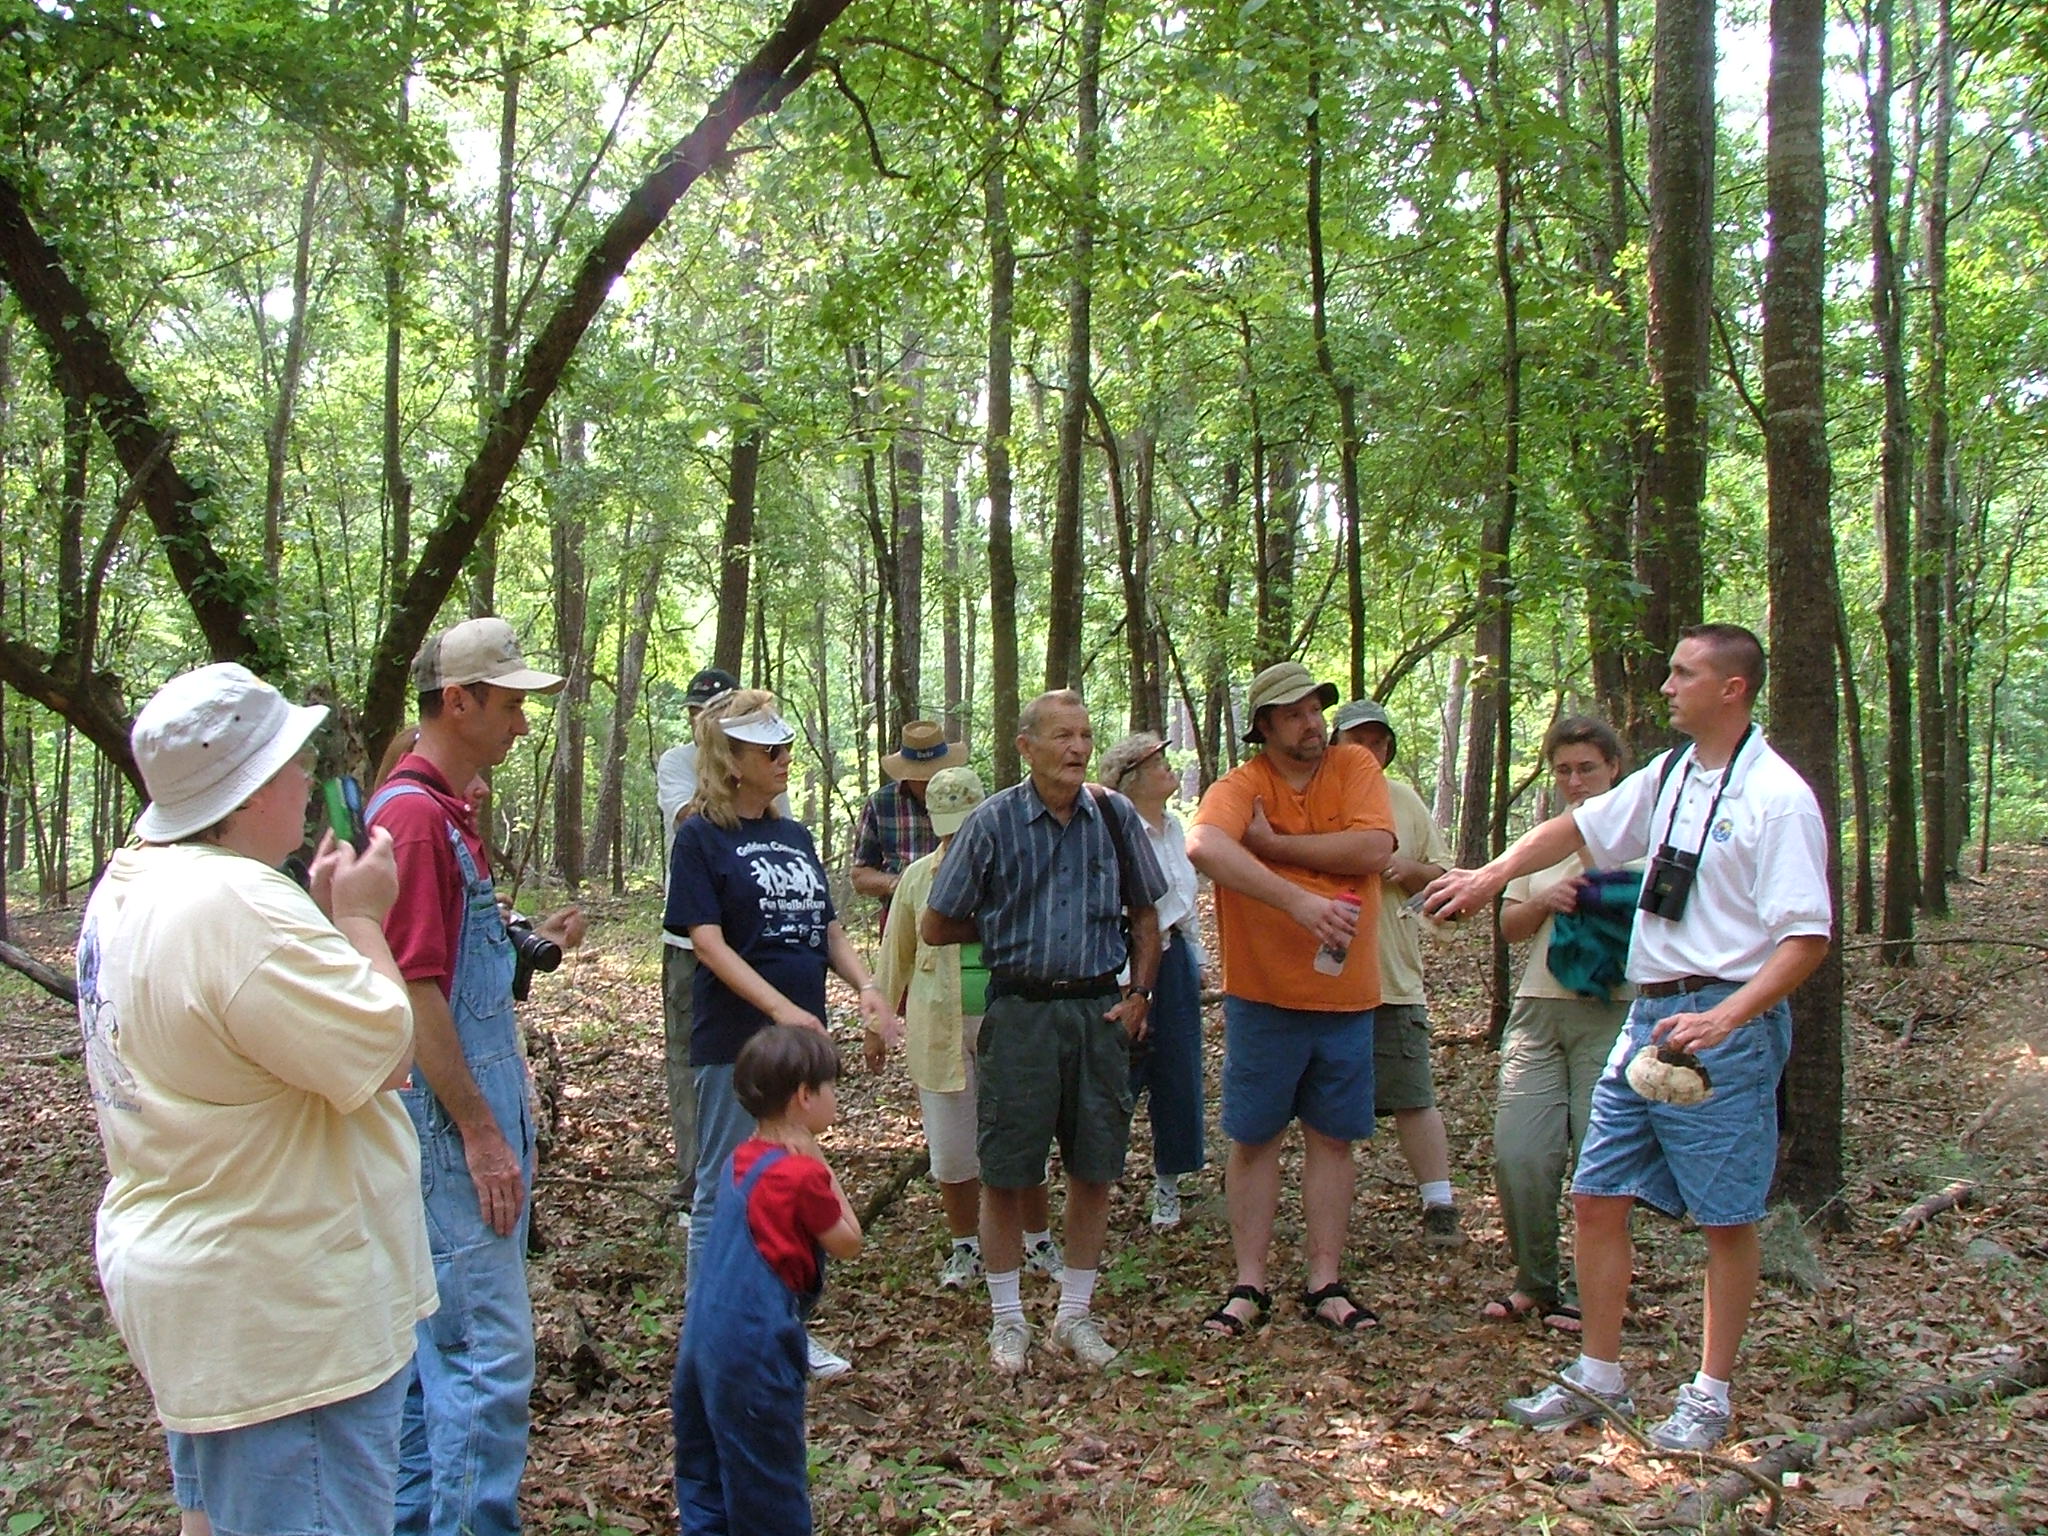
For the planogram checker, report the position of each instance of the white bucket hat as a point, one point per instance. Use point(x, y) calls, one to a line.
point(207, 741)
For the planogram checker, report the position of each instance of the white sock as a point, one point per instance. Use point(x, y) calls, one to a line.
point(1437, 1192)
point(971, 1244)
point(1602, 1376)
point(1033, 1239)
point(1077, 1293)
point(1003, 1299)
point(1168, 1183)
point(1717, 1390)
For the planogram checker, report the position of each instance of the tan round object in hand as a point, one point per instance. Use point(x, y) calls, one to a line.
point(1669, 1076)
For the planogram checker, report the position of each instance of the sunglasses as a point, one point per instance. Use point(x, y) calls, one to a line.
point(775, 754)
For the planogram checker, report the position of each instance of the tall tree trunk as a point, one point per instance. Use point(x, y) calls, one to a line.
point(1859, 776)
point(1342, 388)
point(277, 437)
point(1613, 611)
point(1887, 300)
point(1681, 267)
point(609, 846)
point(1276, 517)
point(906, 496)
point(571, 605)
point(1066, 595)
point(498, 323)
point(1934, 533)
point(949, 601)
point(1445, 808)
point(1002, 298)
point(396, 487)
point(1802, 562)
point(736, 548)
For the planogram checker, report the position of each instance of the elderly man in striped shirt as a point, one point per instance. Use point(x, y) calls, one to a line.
point(1042, 874)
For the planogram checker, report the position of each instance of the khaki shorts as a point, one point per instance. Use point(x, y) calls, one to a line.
point(1400, 1059)
point(1052, 1071)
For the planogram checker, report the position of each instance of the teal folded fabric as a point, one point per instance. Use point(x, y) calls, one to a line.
point(1589, 947)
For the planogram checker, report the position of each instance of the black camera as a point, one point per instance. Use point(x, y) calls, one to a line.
point(530, 952)
point(1668, 884)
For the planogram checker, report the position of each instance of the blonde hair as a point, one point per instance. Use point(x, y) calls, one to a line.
point(717, 772)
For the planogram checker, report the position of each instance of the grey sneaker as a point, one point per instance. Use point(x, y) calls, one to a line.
point(1165, 1206)
point(1044, 1258)
point(1557, 1408)
point(1441, 1227)
point(822, 1363)
point(1697, 1423)
point(1079, 1337)
point(963, 1267)
point(1009, 1341)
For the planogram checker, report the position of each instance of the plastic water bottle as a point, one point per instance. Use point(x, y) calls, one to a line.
point(1331, 957)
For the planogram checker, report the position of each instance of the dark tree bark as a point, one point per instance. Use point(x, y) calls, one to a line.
point(225, 599)
point(906, 497)
point(497, 358)
point(1934, 532)
point(777, 67)
point(1065, 595)
point(396, 486)
point(1002, 297)
point(1342, 387)
point(1859, 777)
point(1802, 562)
point(572, 704)
point(277, 438)
point(1681, 270)
point(949, 602)
point(1901, 876)
point(1276, 519)
point(608, 848)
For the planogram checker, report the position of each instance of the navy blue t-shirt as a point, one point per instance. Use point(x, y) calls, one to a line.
point(762, 884)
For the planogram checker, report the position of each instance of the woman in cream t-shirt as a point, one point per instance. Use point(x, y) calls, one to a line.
point(1552, 1051)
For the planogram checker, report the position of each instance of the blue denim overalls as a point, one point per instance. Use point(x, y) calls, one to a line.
point(463, 1444)
point(738, 1396)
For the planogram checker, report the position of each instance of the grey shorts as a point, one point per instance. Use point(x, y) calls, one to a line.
point(1052, 1071)
point(1400, 1059)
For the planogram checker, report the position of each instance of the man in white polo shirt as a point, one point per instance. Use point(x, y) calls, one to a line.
point(1735, 914)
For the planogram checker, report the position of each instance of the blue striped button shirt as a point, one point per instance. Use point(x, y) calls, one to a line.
point(1046, 896)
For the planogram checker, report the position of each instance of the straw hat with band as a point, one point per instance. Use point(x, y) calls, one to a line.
point(479, 651)
point(924, 752)
point(207, 742)
point(1285, 682)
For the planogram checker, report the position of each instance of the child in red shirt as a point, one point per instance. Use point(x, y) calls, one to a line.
point(738, 1396)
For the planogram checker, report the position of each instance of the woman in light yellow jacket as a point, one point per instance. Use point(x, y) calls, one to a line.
point(940, 990)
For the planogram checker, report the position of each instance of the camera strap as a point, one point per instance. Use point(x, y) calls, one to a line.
point(1727, 772)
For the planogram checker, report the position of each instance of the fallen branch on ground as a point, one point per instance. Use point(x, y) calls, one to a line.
point(1800, 1455)
point(1918, 1214)
point(54, 982)
point(1730, 1468)
point(890, 1190)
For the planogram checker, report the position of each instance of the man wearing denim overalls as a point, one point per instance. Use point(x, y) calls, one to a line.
point(463, 1447)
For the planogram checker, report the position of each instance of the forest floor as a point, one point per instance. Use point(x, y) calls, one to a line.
point(1392, 1431)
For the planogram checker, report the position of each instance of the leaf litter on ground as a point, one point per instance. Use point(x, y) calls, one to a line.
point(1393, 1430)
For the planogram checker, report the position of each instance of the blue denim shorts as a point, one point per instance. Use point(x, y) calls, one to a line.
point(1713, 1160)
point(1282, 1064)
point(327, 1471)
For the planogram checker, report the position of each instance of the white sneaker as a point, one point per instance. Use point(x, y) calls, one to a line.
point(1079, 1337)
point(1697, 1423)
point(1044, 1258)
point(823, 1364)
point(1009, 1341)
point(1165, 1206)
point(963, 1267)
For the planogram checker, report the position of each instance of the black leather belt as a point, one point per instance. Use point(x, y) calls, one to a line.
point(1040, 989)
point(1681, 985)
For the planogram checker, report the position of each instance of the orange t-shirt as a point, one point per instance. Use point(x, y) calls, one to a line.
point(1267, 956)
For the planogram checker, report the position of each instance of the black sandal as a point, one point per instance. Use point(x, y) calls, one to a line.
point(1357, 1320)
point(1235, 1327)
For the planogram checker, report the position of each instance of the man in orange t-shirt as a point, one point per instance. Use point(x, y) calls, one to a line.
point(1295, 840)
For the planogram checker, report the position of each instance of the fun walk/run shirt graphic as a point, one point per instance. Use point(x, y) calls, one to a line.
point(793, 905)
